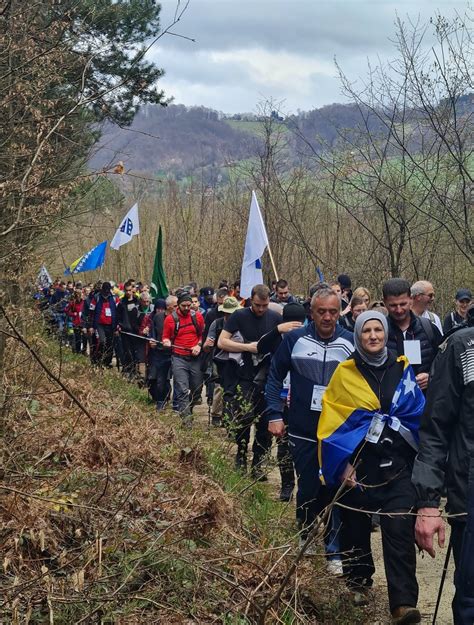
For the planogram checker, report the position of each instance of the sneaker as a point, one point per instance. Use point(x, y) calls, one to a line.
point(240, 463)
point(311, 550)
point(334, 567)
point(286, 492)
point(187, 423)
point(406, 615)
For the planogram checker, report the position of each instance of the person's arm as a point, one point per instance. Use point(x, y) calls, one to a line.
point(228, 345)
point(270, 341)
point(211, 337)
point(437, 425)
point(279, 368)
point(168, 330)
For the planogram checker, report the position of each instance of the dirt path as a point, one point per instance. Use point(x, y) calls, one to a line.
point(428, 570)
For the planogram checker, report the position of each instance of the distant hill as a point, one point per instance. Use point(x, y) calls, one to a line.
point(183, 141)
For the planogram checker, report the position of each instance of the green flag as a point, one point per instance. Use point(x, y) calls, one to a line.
point(158, 286)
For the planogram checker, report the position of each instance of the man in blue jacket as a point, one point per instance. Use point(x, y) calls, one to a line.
point(310, 355)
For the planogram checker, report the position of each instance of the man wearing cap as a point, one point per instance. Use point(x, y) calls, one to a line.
point(159, 358)
point(457, 317)
point(182, 331)
point(422, 293)
point(206, 298)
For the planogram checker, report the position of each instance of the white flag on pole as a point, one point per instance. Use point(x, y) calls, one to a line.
point(127, 229)
point(255, 244)
point(44, 279)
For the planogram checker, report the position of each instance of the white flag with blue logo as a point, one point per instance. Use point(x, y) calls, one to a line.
point(127, 229)
point(255, 245)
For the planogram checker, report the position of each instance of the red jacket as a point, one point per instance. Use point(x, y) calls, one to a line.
point(188, 336)
point(75, 310)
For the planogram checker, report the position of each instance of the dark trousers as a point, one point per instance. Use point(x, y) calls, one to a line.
point(129, 354)
point(311, 496)
point(79, 343)
point(246, 405)
point(398, 538)
point(160, 386)
point(106, 344)
point(285, 461)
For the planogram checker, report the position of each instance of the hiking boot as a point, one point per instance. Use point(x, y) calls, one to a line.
point(406, 615)
point(187, 423)
point(286, 492)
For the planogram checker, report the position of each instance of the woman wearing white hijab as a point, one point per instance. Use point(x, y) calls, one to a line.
point(367, 436)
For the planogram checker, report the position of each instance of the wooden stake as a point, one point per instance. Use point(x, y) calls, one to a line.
point(272, 262)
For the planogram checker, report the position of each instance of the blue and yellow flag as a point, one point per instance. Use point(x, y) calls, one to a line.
point(93, 259)
point(349, 404)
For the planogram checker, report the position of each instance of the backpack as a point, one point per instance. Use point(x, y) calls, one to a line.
point(177, 323)
point(428, 328)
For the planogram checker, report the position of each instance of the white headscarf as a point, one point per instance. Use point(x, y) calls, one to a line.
point(375, 360)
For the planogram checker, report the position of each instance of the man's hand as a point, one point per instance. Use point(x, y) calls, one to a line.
point(166, 343)
point(288, 326)
point(349, 476)
point(196, 350)
point(429, 523)
point(91, 331)
point(277, 428)
point(422, 380)
point(152, 344)
point(250, 347)
point(146, 331)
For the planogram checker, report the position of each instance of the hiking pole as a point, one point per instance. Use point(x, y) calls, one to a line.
point(441, 585)
point(146, 338)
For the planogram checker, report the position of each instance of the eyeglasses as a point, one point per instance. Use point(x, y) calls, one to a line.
point(429, 295)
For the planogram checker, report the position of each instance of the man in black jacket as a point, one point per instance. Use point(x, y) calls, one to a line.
point(446, 456)
point(415, 337)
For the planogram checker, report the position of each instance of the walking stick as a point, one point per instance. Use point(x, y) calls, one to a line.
point(441, 585)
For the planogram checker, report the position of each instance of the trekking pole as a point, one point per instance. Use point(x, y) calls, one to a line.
point(441, 585)
point(147, 338)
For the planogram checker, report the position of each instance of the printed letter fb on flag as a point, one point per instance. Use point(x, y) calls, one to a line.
point(127, 229)
point(93, 259)
point(255, 244)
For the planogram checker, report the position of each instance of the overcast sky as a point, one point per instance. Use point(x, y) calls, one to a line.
point(250, 50)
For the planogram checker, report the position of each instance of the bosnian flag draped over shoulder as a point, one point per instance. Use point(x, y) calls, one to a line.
point(349, 404)
point(127, 229)
point(255, 245)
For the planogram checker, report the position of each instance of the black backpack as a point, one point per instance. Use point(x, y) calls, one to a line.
point(177, 323)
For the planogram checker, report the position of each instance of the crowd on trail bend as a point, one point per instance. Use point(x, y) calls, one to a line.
point(370, 398)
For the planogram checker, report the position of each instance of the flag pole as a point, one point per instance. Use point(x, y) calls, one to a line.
point(272, 262)
point(140, 258)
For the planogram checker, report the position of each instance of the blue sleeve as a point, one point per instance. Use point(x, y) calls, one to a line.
point(281, 363)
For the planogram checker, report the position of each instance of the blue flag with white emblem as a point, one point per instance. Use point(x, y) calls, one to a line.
point(349, 407)
point(127, 229)
point(93, 259)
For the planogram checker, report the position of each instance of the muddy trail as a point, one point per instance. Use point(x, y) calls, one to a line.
point(429, 570)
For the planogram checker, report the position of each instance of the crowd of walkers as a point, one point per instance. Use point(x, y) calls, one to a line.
point(342, 379)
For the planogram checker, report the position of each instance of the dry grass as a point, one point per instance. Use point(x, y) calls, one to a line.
point(131, 520)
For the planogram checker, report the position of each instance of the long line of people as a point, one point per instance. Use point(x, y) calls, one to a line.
point(339, 378)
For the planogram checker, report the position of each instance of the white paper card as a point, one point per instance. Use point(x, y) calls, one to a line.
point(108, 312)
point(412, 351)
point(375, 429)
point(316, 399)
